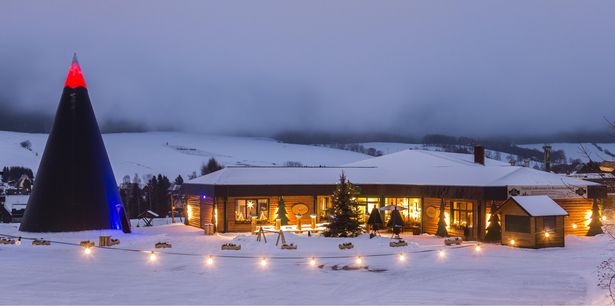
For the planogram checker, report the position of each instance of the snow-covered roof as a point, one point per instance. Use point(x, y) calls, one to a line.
point(16, 201)
point(539, 205)
point(409, 167)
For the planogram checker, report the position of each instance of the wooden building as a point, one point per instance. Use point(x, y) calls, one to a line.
point(417, 180)
point(532, 222)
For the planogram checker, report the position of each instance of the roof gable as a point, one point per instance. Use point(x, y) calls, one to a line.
point(537, 206)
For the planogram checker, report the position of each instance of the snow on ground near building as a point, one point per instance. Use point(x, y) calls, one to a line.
point(61, 274)
point(174, 153)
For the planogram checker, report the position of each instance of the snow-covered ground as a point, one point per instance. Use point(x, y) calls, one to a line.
point(61, 274)
point(174, 153)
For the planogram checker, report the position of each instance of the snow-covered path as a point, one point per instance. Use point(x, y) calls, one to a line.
point(61, 274)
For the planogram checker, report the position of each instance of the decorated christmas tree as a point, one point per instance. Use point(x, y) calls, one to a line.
point(595, 225)
point(282, 214)
point(494, 230)
point(345, 219)
point(442, 232)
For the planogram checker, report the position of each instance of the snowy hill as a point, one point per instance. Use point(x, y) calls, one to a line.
point(174, 153)
point(597, 152)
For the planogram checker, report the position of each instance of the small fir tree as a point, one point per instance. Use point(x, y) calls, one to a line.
point(442, 232)
point(282, 213)
point(211, 166)
point(494, 230)
point(179, 180)
point(345, 219)
point(595, 225)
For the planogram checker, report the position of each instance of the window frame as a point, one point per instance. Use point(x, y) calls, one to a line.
point(517, 228)
point(257, 210)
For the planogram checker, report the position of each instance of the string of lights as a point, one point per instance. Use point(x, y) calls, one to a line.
point(263, 260)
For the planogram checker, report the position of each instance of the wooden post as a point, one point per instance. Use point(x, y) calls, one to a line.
point(278, 224)
point(224, 218)
point(298, 216)
point(253, 224)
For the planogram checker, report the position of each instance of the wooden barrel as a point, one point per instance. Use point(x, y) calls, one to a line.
point(104, 241)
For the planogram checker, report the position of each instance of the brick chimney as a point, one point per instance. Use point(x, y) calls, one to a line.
point(479, 154)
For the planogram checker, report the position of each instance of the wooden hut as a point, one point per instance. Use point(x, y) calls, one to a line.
point(532, 222)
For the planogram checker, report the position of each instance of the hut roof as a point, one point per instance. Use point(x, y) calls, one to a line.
point(538, 206)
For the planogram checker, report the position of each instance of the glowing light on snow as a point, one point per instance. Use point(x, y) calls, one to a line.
point(477, 248)
point(312, 261)
point(402, 257)
point(442, 254)
point(209, 261)
point(152, 257)
point(263, 262)
point(359, 260)
point(87, 251)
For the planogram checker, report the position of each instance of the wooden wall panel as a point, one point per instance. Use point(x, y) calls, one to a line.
point(577, 211)
point(194, 206)
point(521, 239)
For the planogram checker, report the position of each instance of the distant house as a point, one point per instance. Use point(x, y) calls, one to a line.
point(15, 205)
point(24, 183)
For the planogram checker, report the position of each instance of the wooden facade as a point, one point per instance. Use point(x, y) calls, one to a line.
point(217, 205)
point(536, 233)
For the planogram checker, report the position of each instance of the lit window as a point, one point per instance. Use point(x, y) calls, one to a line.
point(245, 209)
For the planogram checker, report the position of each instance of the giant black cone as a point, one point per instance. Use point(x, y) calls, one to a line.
point(74, 189)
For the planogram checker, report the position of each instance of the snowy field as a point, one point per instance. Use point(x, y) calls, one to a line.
point(61, 274)
point(174, 153)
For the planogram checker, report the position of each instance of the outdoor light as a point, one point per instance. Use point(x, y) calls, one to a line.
point(312, 261)
point(87, 251)
point(441, 253)
point(18, 242)
point(512, 242)
point(402, 257)
point(603, 218)
point(477, 248)
point(152, 257)
point(547, 234)
point(210, 260)
point(574, 225)
point(359, 260)
point(263, 262)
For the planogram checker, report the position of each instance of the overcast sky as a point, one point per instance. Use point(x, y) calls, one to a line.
point(457, 67)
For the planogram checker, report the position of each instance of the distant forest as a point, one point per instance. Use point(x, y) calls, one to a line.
point(448, 143)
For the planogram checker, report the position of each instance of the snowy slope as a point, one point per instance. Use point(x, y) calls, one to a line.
point(600, 152)
point(574, 151)
point(174, 153)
